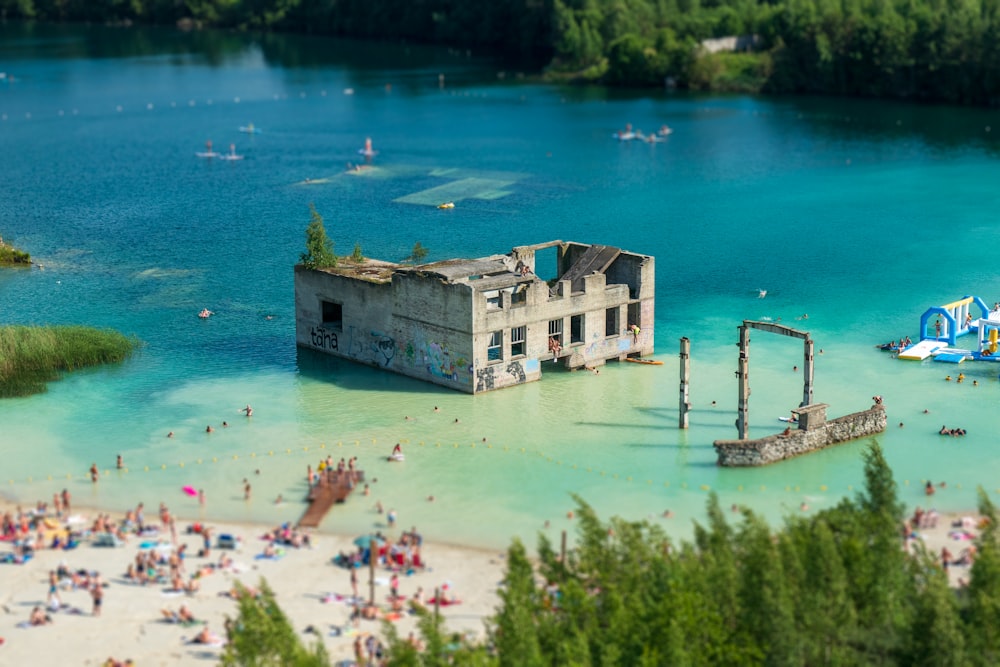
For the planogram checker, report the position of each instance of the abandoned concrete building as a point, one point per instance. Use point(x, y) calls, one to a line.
point(480, 324)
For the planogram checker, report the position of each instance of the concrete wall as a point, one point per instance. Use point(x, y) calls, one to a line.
point(439, 330)
point(774, 448)
point(374, 332)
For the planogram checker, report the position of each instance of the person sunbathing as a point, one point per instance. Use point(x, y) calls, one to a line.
point(39, 617)
point(185, 615)
point(206, 637)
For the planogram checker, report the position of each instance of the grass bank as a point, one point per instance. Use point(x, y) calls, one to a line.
point(32, 356)
point(11, 255)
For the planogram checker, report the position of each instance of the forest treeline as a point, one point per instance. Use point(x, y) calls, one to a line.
point(833, 588)
point(929, 50)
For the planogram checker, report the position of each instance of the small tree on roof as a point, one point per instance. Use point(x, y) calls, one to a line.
point(319, 248)
point(417, 255)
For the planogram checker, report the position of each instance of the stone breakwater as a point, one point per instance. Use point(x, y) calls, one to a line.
point(812, 434)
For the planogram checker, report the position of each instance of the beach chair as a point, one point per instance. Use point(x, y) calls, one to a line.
point(226, 541)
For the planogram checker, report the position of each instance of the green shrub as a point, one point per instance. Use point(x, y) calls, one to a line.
point(32, 356)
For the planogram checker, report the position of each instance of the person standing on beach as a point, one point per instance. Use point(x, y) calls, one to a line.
point(97, 594)
point(354, 582)
point(65, 500)
point(54, 600)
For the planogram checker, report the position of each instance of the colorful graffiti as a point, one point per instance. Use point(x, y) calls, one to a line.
point(438, 362)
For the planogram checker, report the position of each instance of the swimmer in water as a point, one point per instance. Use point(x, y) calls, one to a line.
point(761, 293)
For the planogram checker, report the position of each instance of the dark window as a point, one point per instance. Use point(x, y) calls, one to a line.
point(494, 351)
point(555, 330)
point(576, 329)
point(333, 315)
point(517, 336)
point(635, 314)
point(612, 327)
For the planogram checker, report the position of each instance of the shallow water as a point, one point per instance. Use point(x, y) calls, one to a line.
point(859, 214)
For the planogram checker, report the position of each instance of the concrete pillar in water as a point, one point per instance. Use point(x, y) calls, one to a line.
point(743, 373)
point(807, 367)
point(685, 402)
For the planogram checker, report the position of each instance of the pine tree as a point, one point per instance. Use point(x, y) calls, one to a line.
point(516, 637)
point(319, 247)
point(262, 635)
point(983, 612)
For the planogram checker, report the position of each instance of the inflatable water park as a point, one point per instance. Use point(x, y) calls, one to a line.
point(942, 327)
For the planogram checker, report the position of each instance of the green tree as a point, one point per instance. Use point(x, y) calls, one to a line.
point(416, 255)
point(319, 248)
point(262, 635)
point(516, 636)
point(983, 593)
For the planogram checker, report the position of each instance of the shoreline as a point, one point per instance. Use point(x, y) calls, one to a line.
point(301, 579)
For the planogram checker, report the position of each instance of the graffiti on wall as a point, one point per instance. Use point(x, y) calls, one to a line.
point(515, 369)
point(484, 378)
point(375, 347)
point(383, 348)
point(323, 339)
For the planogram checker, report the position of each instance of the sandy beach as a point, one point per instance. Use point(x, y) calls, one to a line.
point(306, 582)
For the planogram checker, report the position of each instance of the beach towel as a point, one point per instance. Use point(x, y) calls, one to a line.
point(443, 602)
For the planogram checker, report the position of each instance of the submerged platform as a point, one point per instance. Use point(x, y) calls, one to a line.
point(923, 349)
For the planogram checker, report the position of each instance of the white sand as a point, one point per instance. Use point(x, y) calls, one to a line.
point(130, 624)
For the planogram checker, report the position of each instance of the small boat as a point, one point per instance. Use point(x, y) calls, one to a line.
point(250, 129)
point(447, 204)
point(648, 362)
point(395, 457)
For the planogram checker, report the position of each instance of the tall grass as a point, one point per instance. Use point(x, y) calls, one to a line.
point(32, 356)
point(11, 255)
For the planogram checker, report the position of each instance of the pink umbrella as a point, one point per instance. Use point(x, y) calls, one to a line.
point(190, 490)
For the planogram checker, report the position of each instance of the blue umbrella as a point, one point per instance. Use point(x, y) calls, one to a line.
point(364, 541)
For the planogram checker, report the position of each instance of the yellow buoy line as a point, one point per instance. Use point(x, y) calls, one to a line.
point(305, 449)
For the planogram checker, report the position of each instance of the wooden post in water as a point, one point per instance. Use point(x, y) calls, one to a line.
point(807, 368)
point(685, 402)
point(743, 373)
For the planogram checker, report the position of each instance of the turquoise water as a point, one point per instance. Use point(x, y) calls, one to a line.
point(859, 214)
